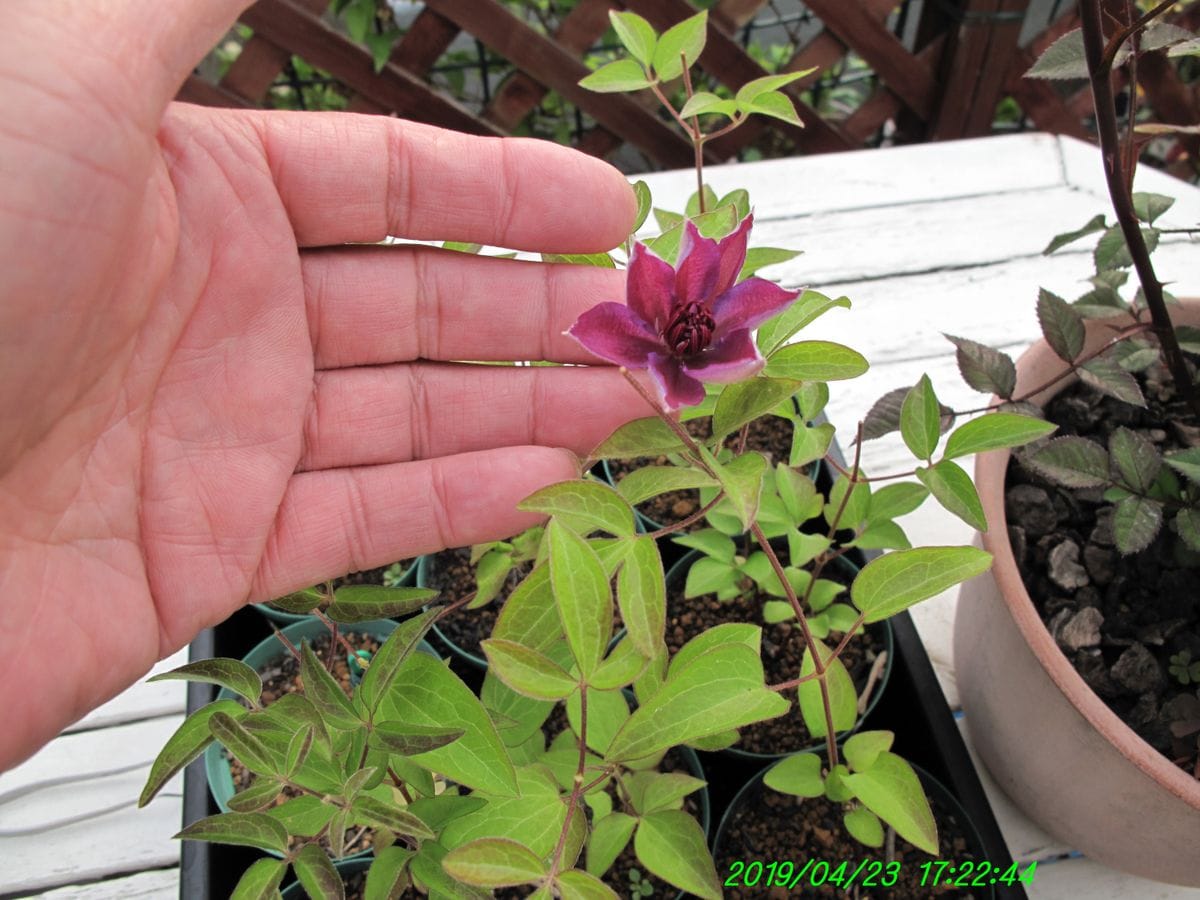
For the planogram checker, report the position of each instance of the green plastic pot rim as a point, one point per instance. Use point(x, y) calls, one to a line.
point(889, 646)
point(932, 785)
point(216, 767)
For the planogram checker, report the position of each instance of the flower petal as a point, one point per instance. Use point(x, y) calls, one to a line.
point(650, 287)
point(732, 248)
point(614, 332)
point(750, 303)
point(674, 386)
point(698, 265)
point(728, 359)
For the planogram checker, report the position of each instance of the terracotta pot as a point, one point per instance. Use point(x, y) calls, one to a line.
point(1054, 746)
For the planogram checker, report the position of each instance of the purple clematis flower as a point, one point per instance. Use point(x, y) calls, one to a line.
point(689, 324)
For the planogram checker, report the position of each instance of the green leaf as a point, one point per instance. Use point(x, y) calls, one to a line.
point(656, 791)
point(641, 595)
point(642, 484)
point(1066, 59)
point(891, 790)
point(325, 693)
point(579, 885)
point(1186, 462)
point(529, 615)
point(1112, 251)
point(1135, 458)
point(527, 671)
point(864, 826)
point(995, 431)
point(243, 744)
point(798, 494)
point(816, 360)
point(667, 220)
point(299, 602)
point(1073, 462)
point(390, 657)
point(187, 743)
point(493, 863)
point(641, 437)
point(1187, 523)
point(620, 668)
point(920, 419)
point(243, 829)
point(407, 739)
point(371, 811)
point(261, 881)
point(863, 749)
point(843, 698)
point(582, 593)
point(762, 257)
point(1150, 206)
point(686, 40)
point(895, 500)
point(984, 368)
point(758, 86)
point(231, 674)
point(776, 105)
point(427, 871)
point(739, 199)
point(317, 875)
point(599, 260)
point(810, 443)
point(893, 582)
point(953, 488)
point(1061, 325)
point(1136, 522)
point(462, 247)
point(298, 749)
point(1096, 223)
point(798, 775)
point(671, 845)
point(365, 602)
point(617, 77)
point(704, 103)
point(692, 209)
point(745, 401)
point(583, 506)
point(884, 416)
point(259, 795)
point(712, 543)
point(608, 710)
point(742, 480)
point(426, 692)
point(636, 34)
point(641, 190)
point(388, 874)
point(854, 509)
point(716, 691)
point(776, 332)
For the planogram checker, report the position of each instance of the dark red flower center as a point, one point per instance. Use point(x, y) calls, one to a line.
point(690, 330)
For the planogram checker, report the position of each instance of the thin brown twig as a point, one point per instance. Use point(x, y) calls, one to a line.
point(694, 517)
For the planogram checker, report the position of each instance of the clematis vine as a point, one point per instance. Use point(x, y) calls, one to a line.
point(688, 324)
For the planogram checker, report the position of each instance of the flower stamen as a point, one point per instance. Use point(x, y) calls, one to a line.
point(690, 330)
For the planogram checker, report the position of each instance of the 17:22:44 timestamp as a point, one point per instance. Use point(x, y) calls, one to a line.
point(969, 873)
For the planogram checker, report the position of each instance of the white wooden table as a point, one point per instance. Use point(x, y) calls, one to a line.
point(924, 240)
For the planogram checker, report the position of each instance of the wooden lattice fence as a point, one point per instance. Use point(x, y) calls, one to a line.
point(961, 59)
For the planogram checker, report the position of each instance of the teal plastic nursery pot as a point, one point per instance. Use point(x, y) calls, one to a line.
point(677, 576)
point(736, 860)
point(281, 618)
point(216, 764)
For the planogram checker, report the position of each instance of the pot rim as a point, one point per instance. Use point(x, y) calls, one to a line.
point(990, 471)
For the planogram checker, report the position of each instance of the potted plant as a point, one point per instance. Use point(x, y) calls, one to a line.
point(531, 816)
point(1079, 636)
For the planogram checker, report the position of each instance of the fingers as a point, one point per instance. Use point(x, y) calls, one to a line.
point(358, 178)
point(372, 305)
point(372, 416)
point(346, 520)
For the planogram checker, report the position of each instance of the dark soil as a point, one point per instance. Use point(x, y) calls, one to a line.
point(1119, 619)
point(283, 677)
point(782, 654)
point(451, 574)
point(771, 435)
point(772, 827)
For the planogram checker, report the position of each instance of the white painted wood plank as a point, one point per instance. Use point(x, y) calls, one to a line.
point(1086, 878)
point(121, 841)
point(861, 179)
point(1082, 168)
point(157, 884)
point(142, 701)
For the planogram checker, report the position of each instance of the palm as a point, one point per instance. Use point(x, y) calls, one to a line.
point(202, 411)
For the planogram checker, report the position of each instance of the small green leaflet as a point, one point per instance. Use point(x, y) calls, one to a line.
point(897, 580)
point(261, 881)
point(1096, 223)
point(188, 742)
point(863, 749)
point(984, 368)
point(641, 596)
point(776, 332)
point(816, 360)
point(650, 481)
point(1062, 326)
point(843, 698)
point(364, 602)
point(798, 775)
point(583, 506)
point(920, 419)
point(891, 790)
point(617, 77)
point(636, 34)
point(581, 591)
point(953, 488)
point(680, 45)
point(642, 191)
point(704, 103)
point(1136, 522)
point(641, 437)
point(608, 839)
point(493, 863)
point(243, 829)
point(316, 873)
point(995, 431)
point(745, 401)
point(232, 674)
point(671, 844)
point(527, 671)
point(1073, 462)
point(742, 480)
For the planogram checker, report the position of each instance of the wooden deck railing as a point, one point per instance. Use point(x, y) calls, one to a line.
point(966, 60)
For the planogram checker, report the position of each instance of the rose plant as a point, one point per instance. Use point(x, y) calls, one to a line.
point(462, 793)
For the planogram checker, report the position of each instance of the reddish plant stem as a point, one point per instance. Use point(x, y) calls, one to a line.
point(695, 134)
point(694, 517)
point(1109, 52)
point(577, 788)
point(1100, 70)
point(400, 786)
point(837, 651)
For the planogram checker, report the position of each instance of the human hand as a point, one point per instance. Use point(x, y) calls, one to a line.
point(206, 396)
